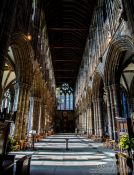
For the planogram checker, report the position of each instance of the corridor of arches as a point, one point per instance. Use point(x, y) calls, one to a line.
point(67, 66)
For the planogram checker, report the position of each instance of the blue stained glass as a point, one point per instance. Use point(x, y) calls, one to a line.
point(62, 101)
point(71, 101)
point(64, 96)
point(67, 101)
point(124, 105)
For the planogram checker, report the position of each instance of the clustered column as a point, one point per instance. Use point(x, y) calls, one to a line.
point(112, 109)
point(36, 114)
point(90, 121)
point(109, 112)
point(21, 105)
point(97, 117)
point(80, 122)
point(43, 113)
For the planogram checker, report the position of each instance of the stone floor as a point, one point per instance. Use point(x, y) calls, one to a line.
point(84, 157)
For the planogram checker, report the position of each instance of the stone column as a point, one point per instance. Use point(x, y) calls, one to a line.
point(30, 118)
point(109, 112)
point(21, 106)
point(26, 113)
point(114, 89)
point(43, 111)
point(47, 118)
point(36, 113)
point(85, 121)
point(112, 111)
point(80, 122)
point(90, 121)
point(95, 118)
point(99, 112)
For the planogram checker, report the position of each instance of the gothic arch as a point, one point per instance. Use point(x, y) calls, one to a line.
point(98, 105)
point(23, 55)
point(118, 45)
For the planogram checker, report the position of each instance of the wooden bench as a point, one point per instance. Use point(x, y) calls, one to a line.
point(23, 166)
point(6, 164)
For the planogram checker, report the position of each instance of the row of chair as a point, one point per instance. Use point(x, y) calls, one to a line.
point(27, 143)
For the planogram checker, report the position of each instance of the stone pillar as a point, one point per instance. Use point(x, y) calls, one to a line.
point(95, 118)
point(90, 121)
point(80, 122)
point(26, 113)
point(21, 106)
point(114, 89)
point(43, 111)
point(84, 121)
point(109, 113)
point(30, 118)
point(113, 104)
point(36, 113)
point(47, 118)
point(99, 112)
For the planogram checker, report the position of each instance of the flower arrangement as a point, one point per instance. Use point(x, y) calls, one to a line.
point(126, 143)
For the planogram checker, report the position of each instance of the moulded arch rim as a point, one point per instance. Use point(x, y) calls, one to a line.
point(119, 44)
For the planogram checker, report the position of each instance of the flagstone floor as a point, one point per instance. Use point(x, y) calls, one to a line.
point(84, 157)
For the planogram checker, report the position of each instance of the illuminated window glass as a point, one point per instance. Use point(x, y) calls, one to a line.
point(6, 102)
point(71, 101)
point(67, 101)
point(65, 98)
point(62, 98)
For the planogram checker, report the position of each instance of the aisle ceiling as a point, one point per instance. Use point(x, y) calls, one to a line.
point(68, 25)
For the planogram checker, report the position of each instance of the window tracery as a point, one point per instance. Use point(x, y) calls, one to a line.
point(65, 97)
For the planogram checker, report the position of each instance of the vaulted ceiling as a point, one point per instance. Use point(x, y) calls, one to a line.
point(68, 24)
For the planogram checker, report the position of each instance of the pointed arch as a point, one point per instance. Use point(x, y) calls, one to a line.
point(118, 45)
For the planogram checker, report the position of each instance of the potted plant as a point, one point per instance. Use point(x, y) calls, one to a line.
point(11, 145)
point(126, 143)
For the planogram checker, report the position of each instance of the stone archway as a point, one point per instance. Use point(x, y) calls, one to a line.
point(37, 102)
point(98, 105)
point(23, 55)
point(116, 57)
point(118, 45)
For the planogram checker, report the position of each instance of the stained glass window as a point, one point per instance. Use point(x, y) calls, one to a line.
point(6, 102)
point(65, 99)
point(124, 104)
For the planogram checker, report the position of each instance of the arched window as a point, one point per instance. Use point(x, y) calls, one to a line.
point(124, 104)
point(6, 102)
point(65, 97)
